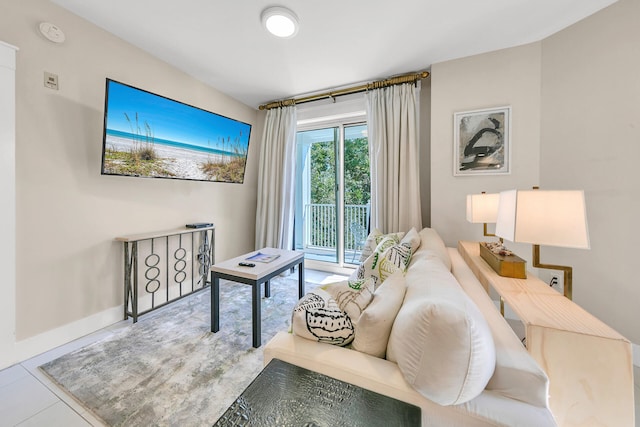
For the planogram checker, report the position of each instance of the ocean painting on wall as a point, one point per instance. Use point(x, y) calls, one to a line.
point(148, 135)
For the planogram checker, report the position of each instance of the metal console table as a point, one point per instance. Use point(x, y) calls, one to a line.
point(176, 264)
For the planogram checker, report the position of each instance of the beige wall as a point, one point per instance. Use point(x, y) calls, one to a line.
point(591, 140)
point(68, 266)
point(506, 77)
point(576, 125)
point(425, 151)
point(574, 98)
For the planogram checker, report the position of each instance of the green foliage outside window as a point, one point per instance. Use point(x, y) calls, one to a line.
point(356, 172)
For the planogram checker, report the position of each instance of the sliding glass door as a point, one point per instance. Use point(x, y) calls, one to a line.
point(332, 192)
point(357, 191)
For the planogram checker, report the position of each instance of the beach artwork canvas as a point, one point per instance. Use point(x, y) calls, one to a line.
point(148, 135)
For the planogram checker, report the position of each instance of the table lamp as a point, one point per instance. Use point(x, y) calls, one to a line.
point(542, 217)
point(483, 208)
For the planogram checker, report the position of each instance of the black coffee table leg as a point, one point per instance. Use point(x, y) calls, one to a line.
point(215, 303)
point(267, 289)
point(301, 279)
point(256, 315)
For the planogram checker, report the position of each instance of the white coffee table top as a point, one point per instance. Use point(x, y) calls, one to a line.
point(261, 269)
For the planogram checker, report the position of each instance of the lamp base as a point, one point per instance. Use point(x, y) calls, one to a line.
point(505, 265)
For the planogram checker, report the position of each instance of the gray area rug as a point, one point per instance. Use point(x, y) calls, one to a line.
point(168, 369)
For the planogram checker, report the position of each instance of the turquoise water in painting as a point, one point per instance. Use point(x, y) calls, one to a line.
point(176, 144)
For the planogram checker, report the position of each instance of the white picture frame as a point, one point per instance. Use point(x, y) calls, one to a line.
point(482, 142)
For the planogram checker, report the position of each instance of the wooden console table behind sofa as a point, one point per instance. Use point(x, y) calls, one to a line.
point(589, 365)
point(176, 264)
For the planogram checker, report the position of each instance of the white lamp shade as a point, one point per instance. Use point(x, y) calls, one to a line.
point(540, 217)
point(482, 207)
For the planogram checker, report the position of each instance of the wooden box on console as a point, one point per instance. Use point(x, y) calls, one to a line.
point(505, 266)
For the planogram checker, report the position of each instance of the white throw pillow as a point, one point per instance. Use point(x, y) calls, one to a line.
point(352, 296)
point(431, 244)
point(317, 317)
point(440, 340)
point(374, 325)
point(374, 239)
point(413, 239)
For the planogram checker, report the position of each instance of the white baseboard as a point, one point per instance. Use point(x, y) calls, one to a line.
point(49, 340)
point(328, 267)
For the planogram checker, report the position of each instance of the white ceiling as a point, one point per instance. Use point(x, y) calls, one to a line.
point(340, 42)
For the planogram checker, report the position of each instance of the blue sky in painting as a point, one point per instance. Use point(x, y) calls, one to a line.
point(171, 120)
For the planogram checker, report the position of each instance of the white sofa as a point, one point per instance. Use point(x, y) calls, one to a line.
point(472, 391)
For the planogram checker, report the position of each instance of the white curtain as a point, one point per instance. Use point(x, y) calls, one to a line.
point(274, 217)
point(392, 124)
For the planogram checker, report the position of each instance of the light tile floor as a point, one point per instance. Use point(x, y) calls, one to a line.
point(29, 399)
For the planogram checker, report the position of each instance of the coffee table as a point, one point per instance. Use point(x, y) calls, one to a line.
point(253, 276)
point(288, 395)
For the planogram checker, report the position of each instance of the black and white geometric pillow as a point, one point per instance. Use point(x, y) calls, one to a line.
point(317, 317)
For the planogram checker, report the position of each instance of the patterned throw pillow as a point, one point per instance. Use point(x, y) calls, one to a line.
point(317, 317)
point(374, 239)
point(352, 296)
point(385, 260)
point(389, 257)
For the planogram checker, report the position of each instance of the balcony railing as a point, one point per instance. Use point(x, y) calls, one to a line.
point(321, 224)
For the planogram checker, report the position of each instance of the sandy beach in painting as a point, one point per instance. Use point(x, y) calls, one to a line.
point(183, 163)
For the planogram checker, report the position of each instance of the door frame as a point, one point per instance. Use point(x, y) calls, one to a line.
point(8, 208)
point(340, 121)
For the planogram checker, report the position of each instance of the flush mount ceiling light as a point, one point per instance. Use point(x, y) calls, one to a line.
point(280, 21)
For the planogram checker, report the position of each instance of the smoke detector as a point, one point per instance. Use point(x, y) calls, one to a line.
point(52, 32)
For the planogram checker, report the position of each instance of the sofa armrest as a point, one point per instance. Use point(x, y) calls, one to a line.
point(517, 375)
point(361, 369)
point(384, 377)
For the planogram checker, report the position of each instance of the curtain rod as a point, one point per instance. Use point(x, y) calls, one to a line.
point(407, 78)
